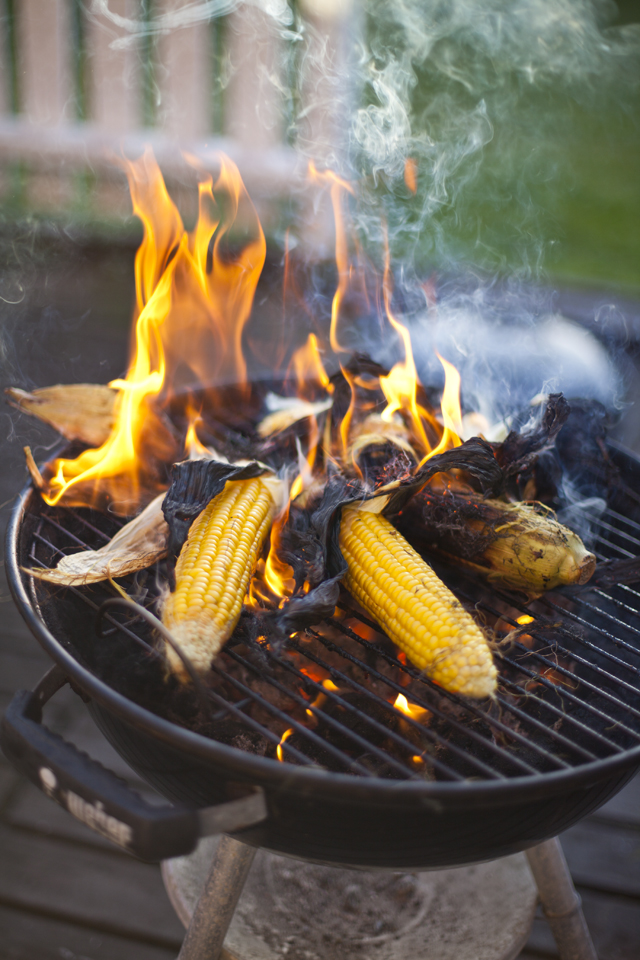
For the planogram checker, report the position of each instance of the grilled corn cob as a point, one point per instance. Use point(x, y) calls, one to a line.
point(521, 545)
point(533, 552)
point(403, 594)
point(214, 569)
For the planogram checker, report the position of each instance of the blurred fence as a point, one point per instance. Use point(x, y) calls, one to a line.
point(78, 84)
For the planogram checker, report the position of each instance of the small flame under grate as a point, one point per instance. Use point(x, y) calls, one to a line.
point(340, 697)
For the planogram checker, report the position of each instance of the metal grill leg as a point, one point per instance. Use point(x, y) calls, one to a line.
point(560, 902)
point(218, 900)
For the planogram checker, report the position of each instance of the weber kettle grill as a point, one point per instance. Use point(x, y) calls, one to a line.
point(495, 786)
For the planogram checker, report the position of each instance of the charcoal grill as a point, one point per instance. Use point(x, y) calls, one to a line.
point(361, 784)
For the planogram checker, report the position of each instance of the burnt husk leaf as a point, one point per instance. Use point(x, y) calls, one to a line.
point(313, 607)
point(311, 542)
point(194, 483)
point(520, 449)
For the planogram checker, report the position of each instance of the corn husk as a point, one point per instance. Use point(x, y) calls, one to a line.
point(285, 411)
point(79, 411)
point(535, 553)
point(520, 545)
point(136, 546)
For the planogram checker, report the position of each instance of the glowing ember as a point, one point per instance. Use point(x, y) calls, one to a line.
point(525, 618)
point(321, 698)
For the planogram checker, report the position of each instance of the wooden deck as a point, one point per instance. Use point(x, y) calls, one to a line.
point(66, 894)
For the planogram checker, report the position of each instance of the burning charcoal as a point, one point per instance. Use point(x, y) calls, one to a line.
point(79, 411)
point(137, 545)
point(521, 545)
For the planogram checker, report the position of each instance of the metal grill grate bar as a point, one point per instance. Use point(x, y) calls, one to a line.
point(603, 633)
point(345, 760)
point(614, 546)
point(603, 525)
point(566, 718)
point(491, 721)
point(462, 744)
point(336, 725)
point(425, 731)
point(570, 655)
point(564, 692)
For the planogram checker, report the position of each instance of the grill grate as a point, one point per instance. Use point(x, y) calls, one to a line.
point(568, 689)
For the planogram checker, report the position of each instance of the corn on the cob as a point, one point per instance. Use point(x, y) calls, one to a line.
point(214, 569)
point(533, 552)
point(521, 545)
point(403, 594)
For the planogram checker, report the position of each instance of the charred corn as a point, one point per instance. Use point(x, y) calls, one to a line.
point(533, 552)
point(403, 594)
point(521, 545)
point(214, 569)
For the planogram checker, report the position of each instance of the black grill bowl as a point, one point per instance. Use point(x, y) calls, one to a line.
point(336, 819)
point(328, 817)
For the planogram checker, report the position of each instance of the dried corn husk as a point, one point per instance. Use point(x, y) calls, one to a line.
point(79, 411)
point(285, 411)
point(521, 545)
point(376, 443)
point(136, 546)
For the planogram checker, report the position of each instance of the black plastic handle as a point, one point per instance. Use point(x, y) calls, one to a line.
point(98, 797)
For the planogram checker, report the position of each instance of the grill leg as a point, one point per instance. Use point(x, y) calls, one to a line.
point(216, 906)
point(560, 902)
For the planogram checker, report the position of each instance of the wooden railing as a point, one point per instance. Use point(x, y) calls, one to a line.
point(77, 86)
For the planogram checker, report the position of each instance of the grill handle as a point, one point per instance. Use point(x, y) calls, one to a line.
point(99, 798)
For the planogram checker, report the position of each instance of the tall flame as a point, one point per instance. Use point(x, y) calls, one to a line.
point(401, 385)
point(451, 411)
point(193, 299)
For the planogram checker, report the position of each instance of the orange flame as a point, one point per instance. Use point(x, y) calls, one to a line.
point(411, 710)
point(400, 386)
point(307, 366)
point(322, 697)
point(451, 412)
point(337, 189)
point(279, 750)
point(193, 448)
point(192, 302)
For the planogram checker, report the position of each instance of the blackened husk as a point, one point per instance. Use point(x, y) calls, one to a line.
point(194, 483)
point(311, 539)
point(459, 524)
point(521, 448)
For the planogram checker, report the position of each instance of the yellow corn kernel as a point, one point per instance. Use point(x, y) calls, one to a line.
point(214, 569)
point(422, 617)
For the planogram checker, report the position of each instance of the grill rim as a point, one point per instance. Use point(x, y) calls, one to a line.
point(266, 771)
